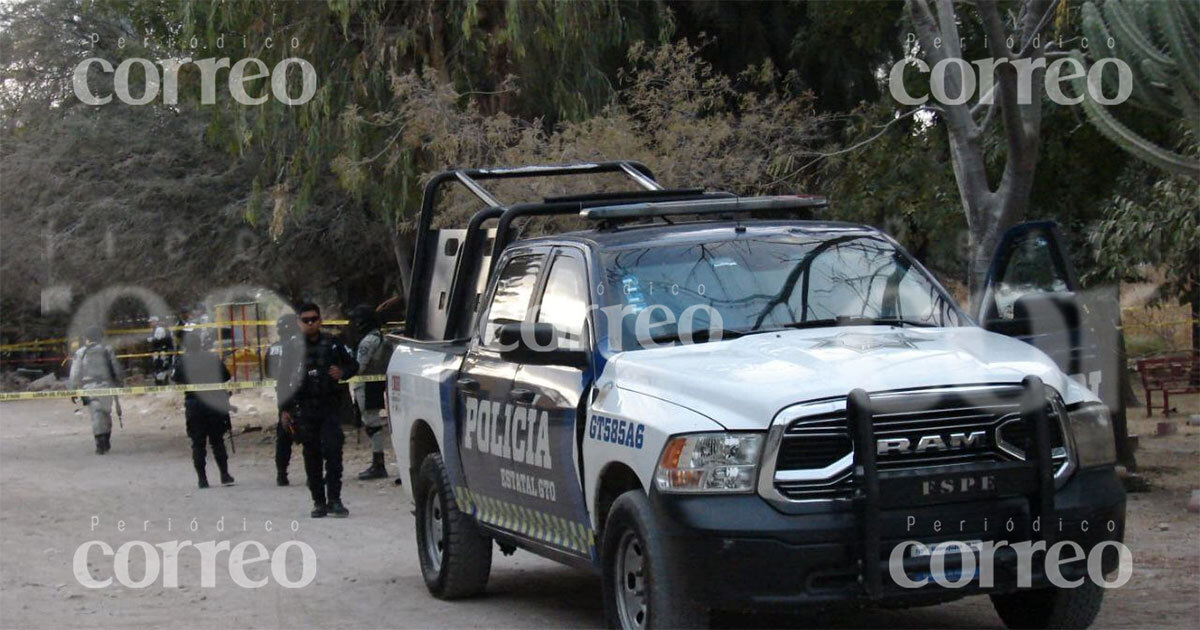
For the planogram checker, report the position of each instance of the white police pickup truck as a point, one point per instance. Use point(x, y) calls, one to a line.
point(716, 405)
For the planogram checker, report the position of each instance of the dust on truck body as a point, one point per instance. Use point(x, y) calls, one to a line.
point(716, 402)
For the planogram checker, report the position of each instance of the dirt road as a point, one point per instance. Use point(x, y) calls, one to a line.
point(55, 495)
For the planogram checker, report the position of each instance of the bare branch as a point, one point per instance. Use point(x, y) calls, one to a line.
point(1006, 77)
point(947, 19)
point(1028, 38)
point(858, 145)
point(984, 99)
point(927, 29)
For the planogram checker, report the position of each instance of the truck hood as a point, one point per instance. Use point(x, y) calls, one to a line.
point(743, 383)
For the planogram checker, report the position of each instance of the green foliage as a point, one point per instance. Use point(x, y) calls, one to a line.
point(1158, 39)
point(903, 182)
point(693, 125)
point(1151, 224)
point(560, 54)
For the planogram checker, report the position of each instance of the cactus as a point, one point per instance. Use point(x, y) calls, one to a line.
point(1158, 40)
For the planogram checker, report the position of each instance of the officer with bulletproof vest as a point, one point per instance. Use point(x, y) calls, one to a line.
point(287, 329)
point(311, 407)
point(206, 412)
point(372, 359)
point(95, 367)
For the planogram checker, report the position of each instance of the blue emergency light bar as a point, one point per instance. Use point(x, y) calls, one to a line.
point(650, 209)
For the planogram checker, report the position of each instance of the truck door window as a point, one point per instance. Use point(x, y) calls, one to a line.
point(564, 302)
point(1032, 268)
point(514, 289)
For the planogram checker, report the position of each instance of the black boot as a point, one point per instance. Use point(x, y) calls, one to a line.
point(337, 509)
point(107, 443)
point(376, 470)
point(320, 510)
point(281, 478)
point(201, 477)
point(99, 444)
point(226, 478)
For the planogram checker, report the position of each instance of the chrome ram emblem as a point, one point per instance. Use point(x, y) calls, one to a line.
point(935, 443)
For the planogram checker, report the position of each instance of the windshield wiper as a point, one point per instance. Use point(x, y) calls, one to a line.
point(856, 321)
point(699, 335)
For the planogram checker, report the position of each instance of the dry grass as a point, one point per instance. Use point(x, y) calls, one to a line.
point(1152, 330)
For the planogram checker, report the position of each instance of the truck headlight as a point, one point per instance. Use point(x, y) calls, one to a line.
point(1092, 430)
point(709, 462)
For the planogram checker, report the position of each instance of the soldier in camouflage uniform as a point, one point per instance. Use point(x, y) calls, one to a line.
point(372, 359)
point(95, 367)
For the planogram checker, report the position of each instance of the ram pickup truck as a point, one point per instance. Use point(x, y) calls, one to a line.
point(721, 403)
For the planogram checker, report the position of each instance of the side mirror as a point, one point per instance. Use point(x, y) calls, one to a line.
point(536, 344)
point(1039, 314)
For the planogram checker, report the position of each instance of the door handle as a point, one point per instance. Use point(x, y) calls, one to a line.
point(468, 384)
point(522, 395)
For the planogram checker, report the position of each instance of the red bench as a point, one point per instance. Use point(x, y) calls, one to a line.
point(1170, 375)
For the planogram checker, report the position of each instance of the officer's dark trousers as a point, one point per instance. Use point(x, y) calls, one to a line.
point(283, 449)
point(205, 426)
point(322, 437)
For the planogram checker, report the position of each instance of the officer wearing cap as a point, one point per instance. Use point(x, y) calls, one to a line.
point(95, 367)
point(310, 399)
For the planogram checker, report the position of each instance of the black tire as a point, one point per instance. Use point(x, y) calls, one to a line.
point(463, 553)
point(632, 521)
point(1050, 607)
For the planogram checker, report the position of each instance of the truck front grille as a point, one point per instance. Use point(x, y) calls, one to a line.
point(914, 429)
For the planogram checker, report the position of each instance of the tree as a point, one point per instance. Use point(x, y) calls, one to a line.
point(1154, 222)
point(1159, 43)
point(561, 54)
point(990, 209)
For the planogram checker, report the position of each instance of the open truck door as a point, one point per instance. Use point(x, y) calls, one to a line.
point(1033, 293)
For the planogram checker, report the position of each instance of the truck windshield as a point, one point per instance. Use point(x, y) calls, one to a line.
point(692, 292)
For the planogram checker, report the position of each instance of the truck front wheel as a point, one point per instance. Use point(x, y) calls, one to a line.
point(1050, 607)
point(642, 573)
point(456, 557)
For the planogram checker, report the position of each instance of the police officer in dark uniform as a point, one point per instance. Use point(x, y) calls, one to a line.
point(310, 408)
point(206, 412)
point(287, 329)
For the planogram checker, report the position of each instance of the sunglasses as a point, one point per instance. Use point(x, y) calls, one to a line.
point(310, 320)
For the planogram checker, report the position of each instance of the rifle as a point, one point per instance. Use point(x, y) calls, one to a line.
point(117, 404)
point(229, 424)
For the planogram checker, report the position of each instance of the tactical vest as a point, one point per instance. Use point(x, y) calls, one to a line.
point(377, 362)
point(94, 366)
point(315, 384)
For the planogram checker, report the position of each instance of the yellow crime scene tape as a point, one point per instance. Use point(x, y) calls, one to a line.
point(1157, 324)
point(155, 389)
point(31, 345)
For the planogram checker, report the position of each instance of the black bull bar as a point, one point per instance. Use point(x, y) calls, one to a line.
point(1034, 477)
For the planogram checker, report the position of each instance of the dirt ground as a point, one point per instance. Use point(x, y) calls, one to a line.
point(55, 495)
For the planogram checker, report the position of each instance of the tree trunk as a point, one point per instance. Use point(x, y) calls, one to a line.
point(977, 269)
point(1195, 329)
point(437, 40)
point(1125, 455)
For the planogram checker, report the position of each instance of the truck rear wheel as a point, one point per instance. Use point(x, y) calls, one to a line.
point(456, 557)
point(642, 574)
point(1050, 607)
